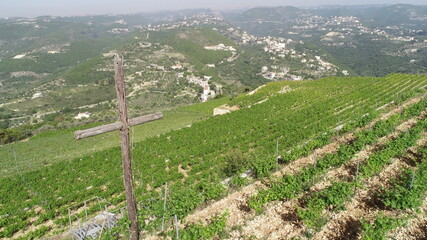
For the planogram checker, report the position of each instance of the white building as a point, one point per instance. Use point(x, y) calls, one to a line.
point(37, 95)
point(82, 115)
point(206, 90)
point(177, 66)
point(264, 69)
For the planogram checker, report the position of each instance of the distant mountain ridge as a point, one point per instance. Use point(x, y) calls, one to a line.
point(379, 13)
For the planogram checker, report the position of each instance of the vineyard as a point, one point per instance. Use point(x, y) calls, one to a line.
point(336, 158)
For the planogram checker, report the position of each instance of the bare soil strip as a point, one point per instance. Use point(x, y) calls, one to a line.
point(278, 220)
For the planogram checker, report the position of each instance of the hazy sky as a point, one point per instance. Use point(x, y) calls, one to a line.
point(32, 8)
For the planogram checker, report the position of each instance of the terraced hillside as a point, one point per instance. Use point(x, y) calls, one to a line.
point(368, 135)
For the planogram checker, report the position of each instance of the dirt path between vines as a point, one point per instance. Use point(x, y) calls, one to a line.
point(279, 219)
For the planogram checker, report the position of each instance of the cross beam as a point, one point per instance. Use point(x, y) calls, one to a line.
point(123, 125)
point(116, 126)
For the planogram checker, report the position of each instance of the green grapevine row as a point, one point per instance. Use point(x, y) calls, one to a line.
point(335, 195)
point(292, 185)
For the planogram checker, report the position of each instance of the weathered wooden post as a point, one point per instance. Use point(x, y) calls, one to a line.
point(124, 125)
point(124, 139)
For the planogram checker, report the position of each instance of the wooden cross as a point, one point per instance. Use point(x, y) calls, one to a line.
point(124, 125)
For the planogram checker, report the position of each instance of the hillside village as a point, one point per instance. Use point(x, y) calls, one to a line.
point(275, 47)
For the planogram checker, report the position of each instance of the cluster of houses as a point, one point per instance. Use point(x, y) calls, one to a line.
point(278, 47)
point(190, 21)
point(346, 25)
point(186, 21)
point(220, 47)
point(324, 24)
point(204, 83)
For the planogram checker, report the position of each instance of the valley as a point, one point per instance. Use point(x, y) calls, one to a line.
point(279, 123)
